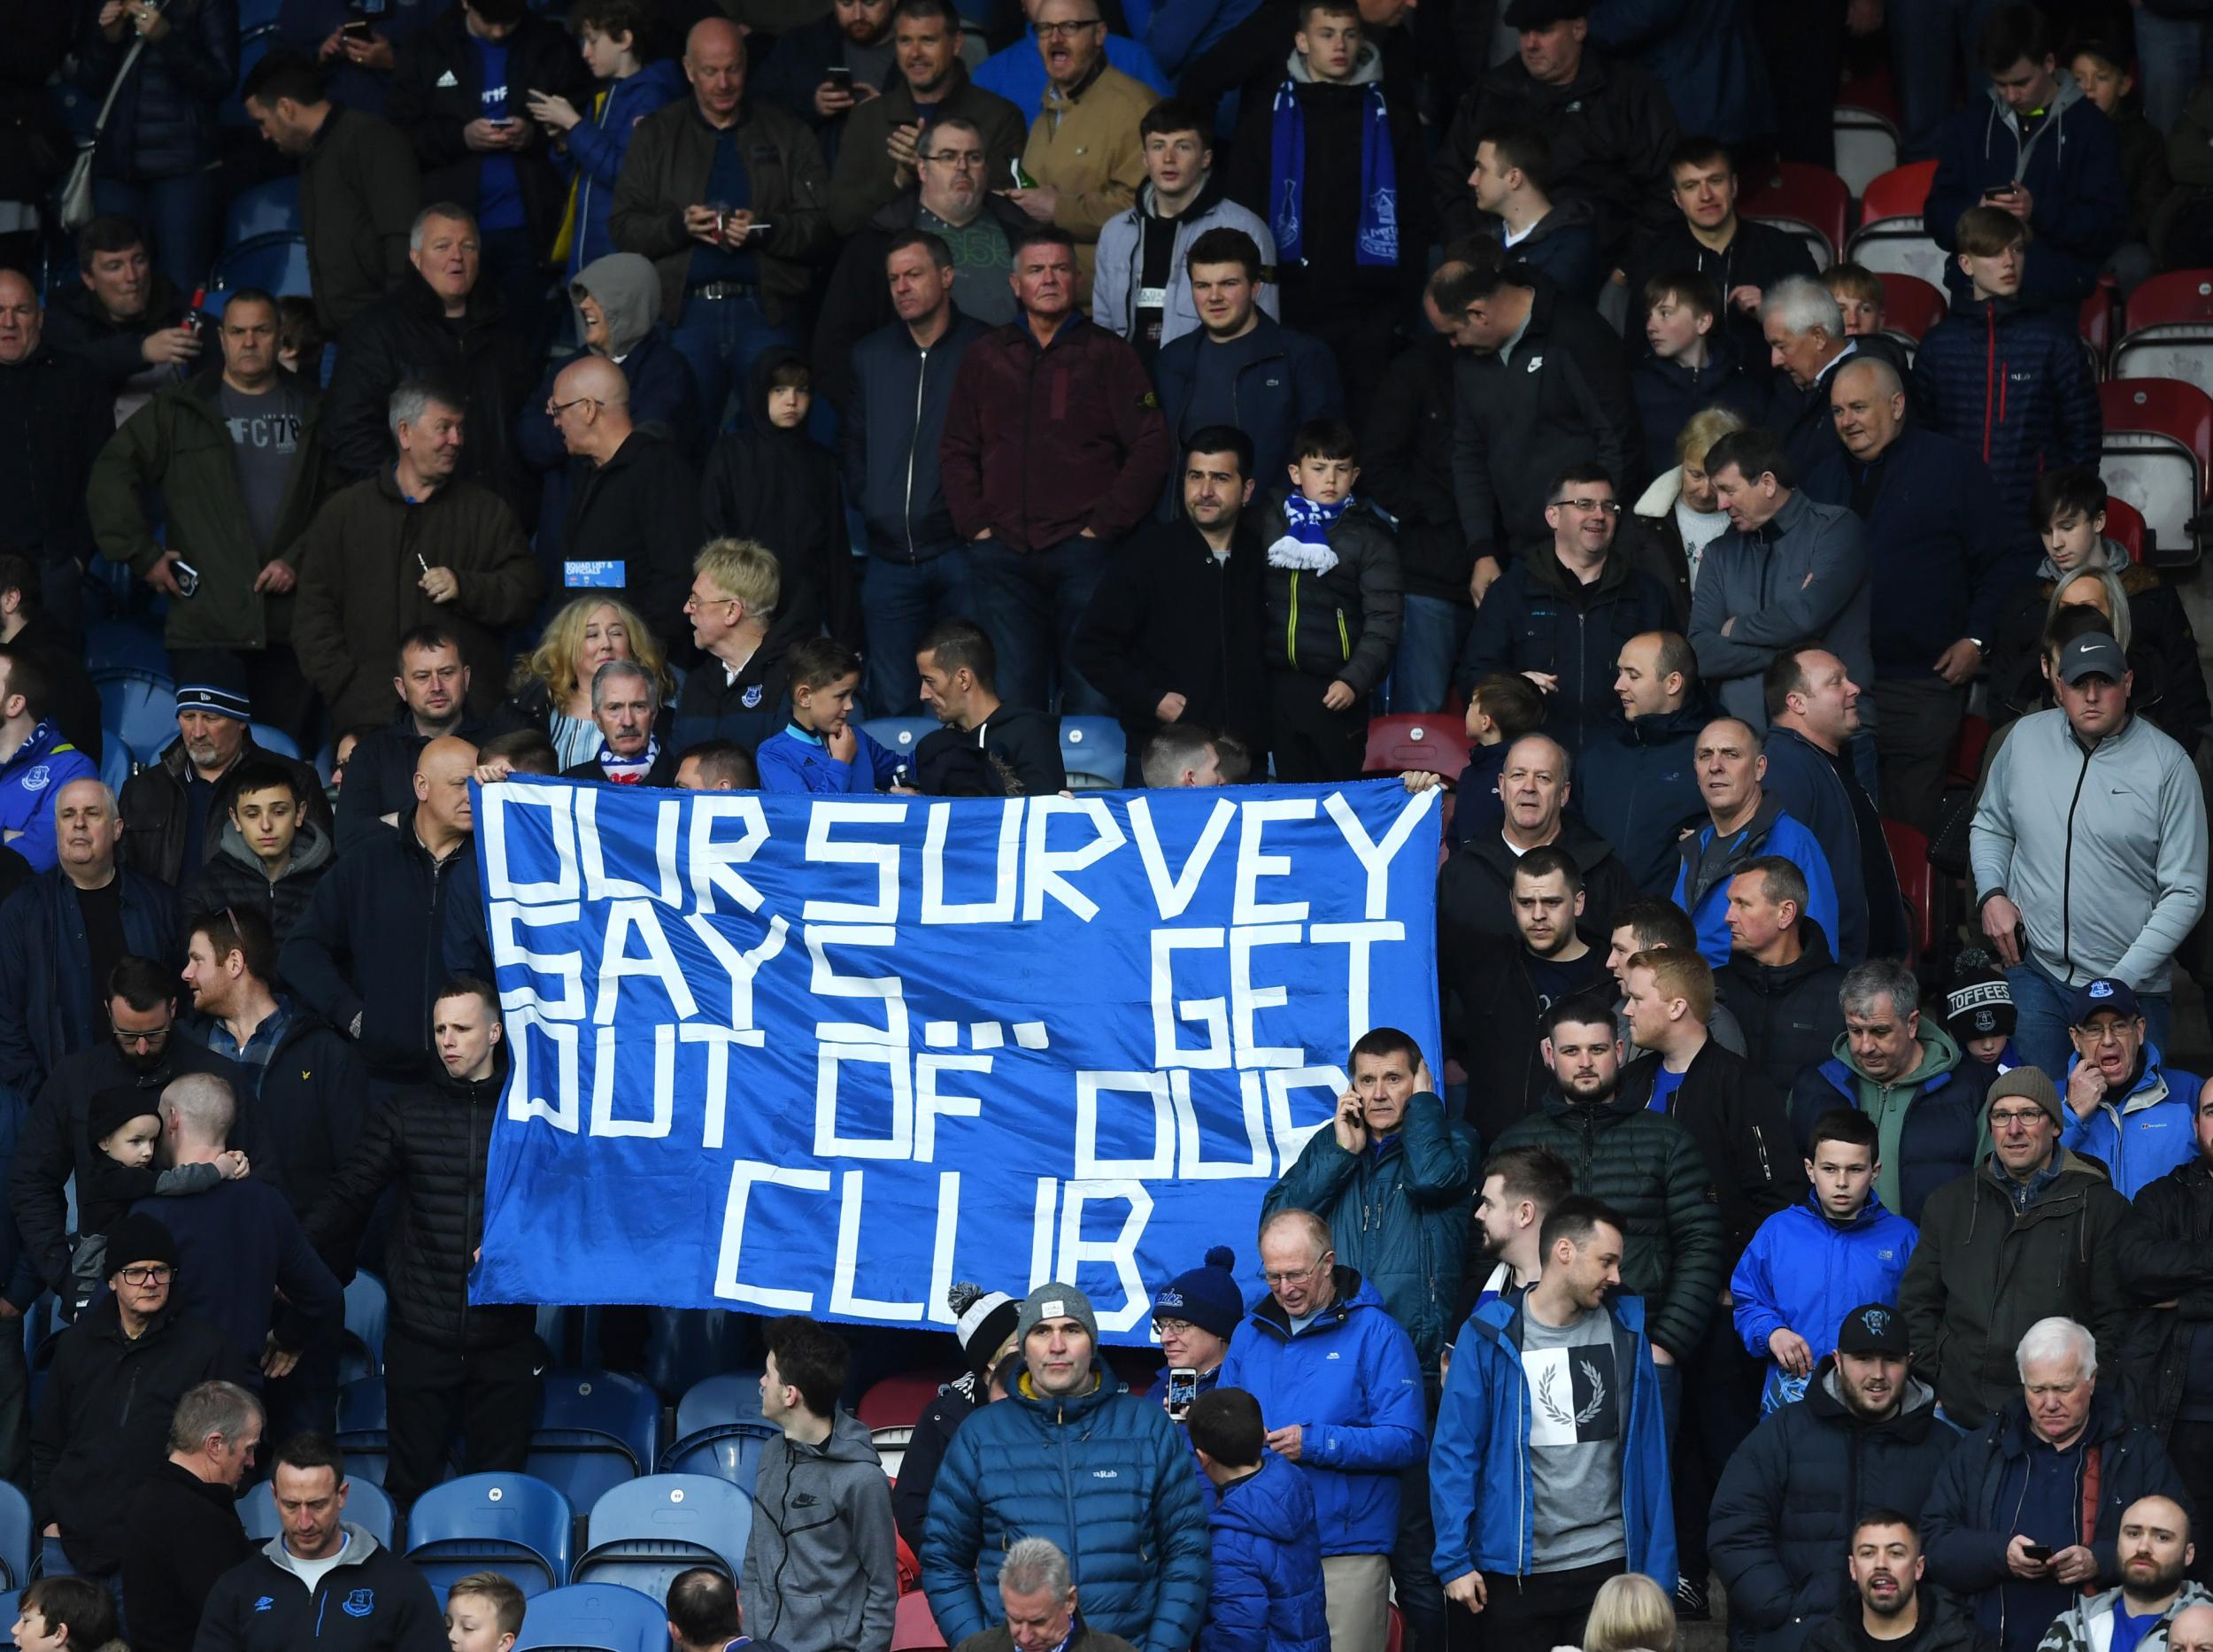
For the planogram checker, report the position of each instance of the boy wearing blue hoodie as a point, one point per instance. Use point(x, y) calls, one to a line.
point(1267, 1593)
point(822, 750)
point(1809, 1266)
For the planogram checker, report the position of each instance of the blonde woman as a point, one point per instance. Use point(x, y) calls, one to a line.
point(551, 689)
point(1632, 1614)
point(1681, 508)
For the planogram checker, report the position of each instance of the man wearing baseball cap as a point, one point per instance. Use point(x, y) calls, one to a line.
point(1067, 1455)
point(2089, 851)
point(2029, 1232)
point(2126, 1107)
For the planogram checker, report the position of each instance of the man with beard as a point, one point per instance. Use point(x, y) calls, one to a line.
point(1889, 1609)
point(2155, 1553)
point(1866, 1437)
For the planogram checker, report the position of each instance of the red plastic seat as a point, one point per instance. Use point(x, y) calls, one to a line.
point(2159, 445)
point(914, 1629)
point(1892, 235)
point(1404, 741)
point(900, 1401)
point(1870, 88)
point(2169, 330)
point(1911, 306)
point(1899, 193)
point(1917, 882)
point(1963, 765)
point(2124, 523)
point(1811, 201)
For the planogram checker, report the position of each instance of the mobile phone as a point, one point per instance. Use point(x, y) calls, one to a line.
point(1183, 1388)
point(1997, 189)
point(356, 30)
point(2038, 1552)
point(840, 76)
point(187, 576)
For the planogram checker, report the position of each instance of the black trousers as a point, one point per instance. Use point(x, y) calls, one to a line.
point(2190, 1447)
point(1920, 720)
point(1546, 1608)
point(491, 1393)
point(1720, 1405)
point(1311, 742)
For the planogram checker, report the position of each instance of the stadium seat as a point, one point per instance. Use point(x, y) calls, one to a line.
point(898, 1402)
point(1867, 145)
point(362, 1352)
point(1909, 854)
point(138, 710)
point(2169, 330)
point(594, 1618)
point(915, 1630)
point(1396, 1637)
point(2158, 450)
point(115, 765)
point(124, 646)
point(645, 1532)
point(253, 44)
point(362, 1433)
point(732, 1397)
point(1910, 308)
point(266, 209)
point(686, 1346)
point(367, 1505)
point(1406, 740)
point(1891, 236)
point(1095, 752)
point(1811, 203)
point(2097, 319)
point(900, 735)
point(2125, 523)
point(16, 1543)
point(276, 264)
point(729, 1451)
point(891, 1444)
point(511, 1523)
point(273, 739)
point(254, 14)
point(1963, 765)
point(595, 1431)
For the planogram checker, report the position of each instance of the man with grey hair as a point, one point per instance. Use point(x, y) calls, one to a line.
point(1743, 823)
point(628, 708)
point(184, 1531)
point(1807, 346)
point(1038, 1595)
point(2191, 1630)
point(2026, 1512)
point(415, 544)
point(1908, 1074)
point(1123, 1500)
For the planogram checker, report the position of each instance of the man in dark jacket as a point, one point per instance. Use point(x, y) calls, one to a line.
point(445, 1359)
point(626, 706)
point(2054, 1466)
point(360, 184)
point(1889, 1590)
point(111, 1394)
point(60, 415)
point(1806, 343)
point(2170, 1347)
point(433, 684)
point(902, 377)
point(122, 318)
point(854, 37)
point(1037, 554)
point(1173, 633)
point(1781, 980)
point(2028, 1233)
point(184, 1531)
point(1866, 1437)
point(1543, 385)
point(1639, 786)
point(960, 678)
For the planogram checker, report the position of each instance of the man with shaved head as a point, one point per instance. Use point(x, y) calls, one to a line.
point(633, 501)
point(1943, 557)
point(367, 954)
point(61, 414)
point(2155, 1553)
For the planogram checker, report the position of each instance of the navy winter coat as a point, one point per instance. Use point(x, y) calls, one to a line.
point(1704, 52)
point(163, 123)
point(1268, 1593)
point(2011, 383)
point(1944, 1121)
point(1108, 1478)
point(597, 145)
point(1636, 785)
point(1668, 393)
point(1291, 380)
point(47, 1005)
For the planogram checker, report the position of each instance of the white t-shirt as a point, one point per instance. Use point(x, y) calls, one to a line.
point(311, 1572)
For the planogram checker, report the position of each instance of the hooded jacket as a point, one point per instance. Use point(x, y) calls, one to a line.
point(1706, 866)
point(1268, 1593)
point(1739, 1122)
point(1948, 1628)
point(2122, 902)
point(598, 143)
point(821, 1571)
point(372, 1601)
point(1562, 245)
point(1788, 1012)
point(1637, 784)
point(1792, 1492)
point(1649, 1167)
point(1341, 623)
point(890, 433)
point(1352, 1383)
point(156, 808)
point(1083, 143)
point(1290, 380)
point(1805, 1270)
point(1398, 1212)
point(1802, 575)
point(1407, 468)
point(2070, 162)
point(2087, 1625)
point(1930, 1116)
point(1985, 1272)
point(1480, 1471)
point(2009, 383)
point(48, 1009)
point(30, 781)
point(1103, 1474)
point(165, 121)
point(359, 191)
point(1118, 272)
point(234, 877)
point(862, 181)
point(2141, 1135)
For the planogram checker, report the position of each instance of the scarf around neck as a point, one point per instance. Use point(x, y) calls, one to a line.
point(1375, 243)
point(629, 771)
point(1304, 541)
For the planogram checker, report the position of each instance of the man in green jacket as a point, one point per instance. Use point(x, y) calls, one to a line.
point(237, 459)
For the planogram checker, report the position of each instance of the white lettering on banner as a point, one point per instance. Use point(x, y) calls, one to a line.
point(883, 856)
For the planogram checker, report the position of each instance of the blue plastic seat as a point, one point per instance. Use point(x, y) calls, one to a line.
point(361, 1432)
point(730, 1451)
point(594, 1618)
point(901, 735)
point(643, 1533)
point(253, 44)
point(266, 209)
point(362, 1354)
point(276, 264)
point(138, 710)
point(684, 1346)
point(124, 646)
point(511, 1523)
point(115, 765)
point(273, 739)
point(1095, 751)
point(367, 1505)
point(596, 1430)
point(731, 1397)
point(15, 1537)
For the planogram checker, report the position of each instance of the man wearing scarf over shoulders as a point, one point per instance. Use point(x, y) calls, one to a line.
point(627, 706)
point(1334, 167)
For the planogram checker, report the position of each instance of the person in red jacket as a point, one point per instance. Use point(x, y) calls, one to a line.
point(1054, 448)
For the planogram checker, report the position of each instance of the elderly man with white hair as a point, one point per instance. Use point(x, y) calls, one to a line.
point(1807, 346)
point(2028, 1510)
point(1039, 1596)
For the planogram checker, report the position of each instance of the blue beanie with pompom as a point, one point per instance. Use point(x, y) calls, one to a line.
point(1206, 1296)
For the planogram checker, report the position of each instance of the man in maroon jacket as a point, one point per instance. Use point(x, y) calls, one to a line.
point(1054, 448)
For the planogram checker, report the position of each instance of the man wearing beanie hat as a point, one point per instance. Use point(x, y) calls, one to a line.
point(174, 808)
point(1067, 1455)
point(103, 1422)
point(983, 1321)
point(2125, 1107)
point(36, 760)
point(2029, 1233)
point(1197, 1313)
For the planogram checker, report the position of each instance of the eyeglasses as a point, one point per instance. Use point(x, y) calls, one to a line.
point(1171, 1327)
point(1292, 1277)
point(2013, 1116)
point(156, 1275)
point(961, 160)
point(153, 1038)
point(695, 602)
point(1068, 31)
point(1612, 507)
point(554, 410)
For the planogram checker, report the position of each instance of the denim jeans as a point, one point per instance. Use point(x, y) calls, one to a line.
point(2039, 1009)
point(2172, 53)
point(899, 602)
point(1931, 42)
point(721, 339)
point(1028, 603)
point(1430, 635)
point(177, 215)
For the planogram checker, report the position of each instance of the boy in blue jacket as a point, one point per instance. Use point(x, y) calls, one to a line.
point(1266, 1594)
point(1811, 1265)
point(823, 751)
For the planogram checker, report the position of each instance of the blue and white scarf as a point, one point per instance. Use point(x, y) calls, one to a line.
point(629, 771)
point(1304, 543)
point(1376, 244)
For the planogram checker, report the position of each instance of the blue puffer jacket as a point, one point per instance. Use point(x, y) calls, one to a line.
point(2148, 1133)
point(163, 124)
point(598, 143)
point(1267, 1594)
point(1479, 1468)
point(1805, 1270)
point(1351, 1382)
point(2010, 383)
point(1398, 1213)
point(1704, 868)
point(1108, 1478)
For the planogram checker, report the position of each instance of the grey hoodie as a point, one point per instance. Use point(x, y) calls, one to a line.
point(822, 1567)
point(2087, 1625)
point(2101, 848)
point(628, 291)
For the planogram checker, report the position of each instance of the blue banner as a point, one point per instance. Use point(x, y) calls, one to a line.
point(790, 1055)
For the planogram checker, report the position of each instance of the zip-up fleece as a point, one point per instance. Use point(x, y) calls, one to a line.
point(822, 1569)
point(1802, 575)
point(2103, 847)
point(901, 392)
point(1481, 1491)
point(372, 1601)
point(2146, 1132)
point(2087, 1625)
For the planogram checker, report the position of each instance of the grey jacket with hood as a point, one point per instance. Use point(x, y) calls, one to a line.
point(822, 1567)
point(2087, 1625)
point(1120, 271)
point(2101, 847)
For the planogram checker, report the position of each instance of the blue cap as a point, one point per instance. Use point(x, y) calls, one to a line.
point(2097, 997)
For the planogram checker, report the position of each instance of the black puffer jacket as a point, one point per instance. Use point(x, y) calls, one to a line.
point(431, 1142)
point(1790, 1014)
point(1342, 624)
point(1741, 1126)
point(955, 1403)
point(1785, 1506)
point(234, 877)
point(1649, 1168)
point(2163, 1341)
point(163, 123)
